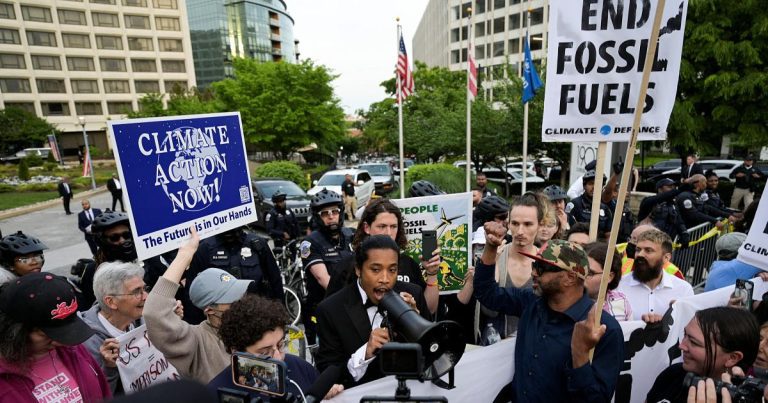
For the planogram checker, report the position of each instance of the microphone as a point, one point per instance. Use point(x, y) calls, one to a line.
point(323, 384)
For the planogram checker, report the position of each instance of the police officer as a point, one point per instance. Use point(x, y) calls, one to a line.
point(609, 195)
point(665, 215)
point(692, 207)
point(580, 208)
point(713, 200)
point(282, 224)
point(242, 254)
point(322, 251)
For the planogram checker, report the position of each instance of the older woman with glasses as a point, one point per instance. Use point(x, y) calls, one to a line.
point(20, 255)
point(120, 295)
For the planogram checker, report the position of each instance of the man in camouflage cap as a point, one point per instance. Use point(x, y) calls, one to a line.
point(557, 325)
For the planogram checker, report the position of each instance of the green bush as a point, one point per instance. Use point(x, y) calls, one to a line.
point(34, 160)
point(421, 171)
point(446, 177)
point(282, 169)
point(23, 172)
point(50, 166)
point(6, 188)
point(37, 187)
point(51, 157)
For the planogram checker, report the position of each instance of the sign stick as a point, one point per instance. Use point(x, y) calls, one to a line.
point(630, 156)
point(596, 194)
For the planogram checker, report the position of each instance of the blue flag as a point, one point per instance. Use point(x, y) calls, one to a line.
point(531, 80)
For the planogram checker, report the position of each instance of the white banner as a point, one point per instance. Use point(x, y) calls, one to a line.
point(595, 63)
point(140, 364)
point(754, 250)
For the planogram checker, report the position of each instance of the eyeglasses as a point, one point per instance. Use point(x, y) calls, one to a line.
point(118, 236)
point(31, 259)
point(540, 268)
point(501, 217)
point(271, 350)
point(330, 212)
point(137, 293)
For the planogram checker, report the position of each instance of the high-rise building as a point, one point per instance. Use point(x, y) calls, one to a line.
point(499, 28)
point(224, 29)
point(90, 59)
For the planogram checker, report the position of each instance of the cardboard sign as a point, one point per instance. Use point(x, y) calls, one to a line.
point(140, 364)
point(449, 215)
point(180, 171)
point(595, 63)
point(754, 250)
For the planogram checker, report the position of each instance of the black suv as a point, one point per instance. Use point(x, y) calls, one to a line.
point(296, 200)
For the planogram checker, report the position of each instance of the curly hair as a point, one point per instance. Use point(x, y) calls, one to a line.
point(246, 321)
point(370, 213)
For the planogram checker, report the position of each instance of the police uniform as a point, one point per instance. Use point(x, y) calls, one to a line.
point(318, 248)
point(693, 210)
point(580, 210)
point(247, 259)
point(627, 223)
point(279, 223)
point(666, 217)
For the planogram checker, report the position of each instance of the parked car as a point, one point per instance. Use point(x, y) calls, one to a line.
point(42, 152)
point(515, 176)
point(722, 168)
point(406, 164)
point(519, 165)
point(383, 176)
point(332, 180)
point(296, 199)
point(658, 168)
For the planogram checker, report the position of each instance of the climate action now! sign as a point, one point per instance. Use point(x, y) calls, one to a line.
point(595, 60)
point(181, 171)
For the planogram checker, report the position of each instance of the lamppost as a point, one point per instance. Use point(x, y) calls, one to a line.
point(88, 153)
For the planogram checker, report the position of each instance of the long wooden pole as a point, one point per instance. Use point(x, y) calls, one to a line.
point(597, 193)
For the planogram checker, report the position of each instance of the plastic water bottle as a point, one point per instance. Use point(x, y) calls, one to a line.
point(490, 335)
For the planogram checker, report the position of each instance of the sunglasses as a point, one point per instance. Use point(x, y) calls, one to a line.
point(540, 268)
point(118, 236)
point(330, 212)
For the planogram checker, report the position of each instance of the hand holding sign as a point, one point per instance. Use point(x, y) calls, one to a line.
point(586, 335)
point(109, 352)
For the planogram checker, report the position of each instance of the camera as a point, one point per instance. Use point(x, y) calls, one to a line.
point(744, 390)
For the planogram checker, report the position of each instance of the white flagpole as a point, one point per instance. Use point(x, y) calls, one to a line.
point(523, 188)
point(400, 115)
point(469, 101)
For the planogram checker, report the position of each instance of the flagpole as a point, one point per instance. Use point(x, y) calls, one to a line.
point(400, 118)
point(469, 101)
point(524, 186)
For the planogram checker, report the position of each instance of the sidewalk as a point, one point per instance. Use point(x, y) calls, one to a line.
point(14, 212)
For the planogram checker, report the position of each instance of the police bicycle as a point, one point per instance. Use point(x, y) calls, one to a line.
point(294, 284)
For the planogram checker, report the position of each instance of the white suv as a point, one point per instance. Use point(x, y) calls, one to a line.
point(332, 180)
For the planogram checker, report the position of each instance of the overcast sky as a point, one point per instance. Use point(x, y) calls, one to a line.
point(357, 39)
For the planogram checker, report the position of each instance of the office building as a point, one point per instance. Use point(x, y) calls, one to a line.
point(90, 59)
point(224, 29)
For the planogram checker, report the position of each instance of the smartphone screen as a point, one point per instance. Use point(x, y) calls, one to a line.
point(428, 243)
point(263, 374)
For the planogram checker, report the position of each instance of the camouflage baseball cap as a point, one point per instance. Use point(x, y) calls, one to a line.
point(563, 254)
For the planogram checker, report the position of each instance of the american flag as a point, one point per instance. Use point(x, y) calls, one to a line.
point(87, 164)
point(404, 73)
point(472, 73)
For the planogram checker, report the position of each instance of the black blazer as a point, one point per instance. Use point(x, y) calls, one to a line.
point(82, 219)
point(695, 169)
point(63, 191)
point(343, 327)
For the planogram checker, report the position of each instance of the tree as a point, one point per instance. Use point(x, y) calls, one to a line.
point(723, 87)
point(283, 106)
point(180, 102)
point(20, 129)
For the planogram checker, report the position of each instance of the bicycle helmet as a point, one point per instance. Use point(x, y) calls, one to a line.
point(124, 251)
point(278, 196)
point(424, 188)
point(107, 220)
point(19, 244)
point(326, 198)
point(490, 207)
point(590, 176)
point(554, 192)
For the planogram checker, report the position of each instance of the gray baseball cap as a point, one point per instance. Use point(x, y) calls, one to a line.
point(216, 286)
point(730, 242)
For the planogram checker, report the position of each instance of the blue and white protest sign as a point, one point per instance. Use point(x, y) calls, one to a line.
point(180, 171)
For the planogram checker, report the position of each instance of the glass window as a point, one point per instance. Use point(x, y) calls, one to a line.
point(514, 21)
point(498, 48)
point(479, 29)
point(537, 42)
point(537, 16)
point(455, 35)
point(167, 24)
point(174, 66)
point(135, 3)
point(143, 65)
point(110, 2)
point(116, 87)
point(17, 85)
point(39, 38)
point(455, 12)
point(51, 86)
point(497, 4)
point(480, 52)
point(140, 43)
point(108, 64)
point(36, 14)
point(105, 20)
point(165, 4)
point(80, 64)
point(72, 17)
point(119, 108)
point(498, 25)
point(88, 108)
point(170, 45)
point(55, 108)
point(514, 46)
point(76, 41)
point(10, 37)
point(137, 22)
point(7, 12)
point(12, 61)
point(175, 86)
point(109, 42)
point(144, 86)
point(40, 62)
point(84, 86)
point(25, 106)
point(513, 2)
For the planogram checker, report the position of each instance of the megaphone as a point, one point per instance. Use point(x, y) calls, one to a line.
point(442, 343)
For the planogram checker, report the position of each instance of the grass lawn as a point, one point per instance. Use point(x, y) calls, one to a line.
point(15, 199)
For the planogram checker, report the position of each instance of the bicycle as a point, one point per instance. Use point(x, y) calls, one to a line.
point(292, 272)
